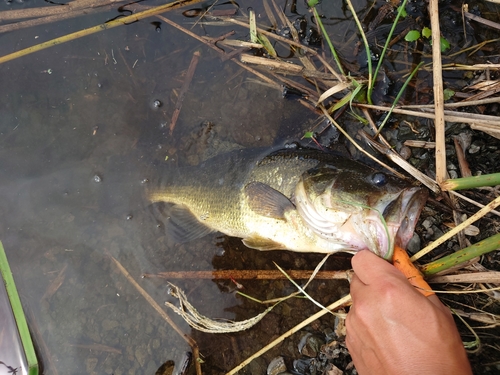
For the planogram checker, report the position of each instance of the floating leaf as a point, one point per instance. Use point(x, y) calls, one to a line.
point(448, 94)
point(426, 32)
point(412, 35)
point(444, 44)
point(403, 11)
point(308, 134)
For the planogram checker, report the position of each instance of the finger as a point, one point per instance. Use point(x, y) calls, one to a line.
point(356, 287)
point(369, 267)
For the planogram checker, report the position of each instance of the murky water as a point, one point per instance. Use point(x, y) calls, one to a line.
point(84, 127)
point(79, 134)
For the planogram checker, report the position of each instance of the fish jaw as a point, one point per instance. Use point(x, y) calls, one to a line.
point(411, 201)
point(355, 226)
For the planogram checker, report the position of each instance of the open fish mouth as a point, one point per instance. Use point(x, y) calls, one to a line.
point(357, 225)
point(412, 202)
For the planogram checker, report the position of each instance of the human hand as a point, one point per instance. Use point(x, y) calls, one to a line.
point(393, 329)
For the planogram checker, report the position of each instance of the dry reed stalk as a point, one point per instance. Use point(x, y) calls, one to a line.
point(92, 30)
point(451, 116)
point(472, 277)
point(439, 121)
point(17, 14)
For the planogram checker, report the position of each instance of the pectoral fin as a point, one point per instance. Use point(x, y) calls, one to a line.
point(261, 243)
point(266, 201)
point(183, 226)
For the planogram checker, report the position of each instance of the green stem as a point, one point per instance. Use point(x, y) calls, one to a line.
point(17, 309)
point(365, 42)
point(327, 38)
point(471, 182)
point(384, 50)
point(395, 102)
point(461, 256)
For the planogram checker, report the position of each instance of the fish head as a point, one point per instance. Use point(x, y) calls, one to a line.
point(358, 207)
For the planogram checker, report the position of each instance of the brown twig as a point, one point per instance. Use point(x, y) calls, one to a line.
point(17, 14)
point(55, 284)
point(163, 314)
point(199, 38)
point(184, 89)
point(64, 13)
point(250, 274)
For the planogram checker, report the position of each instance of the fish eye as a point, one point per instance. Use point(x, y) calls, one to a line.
point(379, 179)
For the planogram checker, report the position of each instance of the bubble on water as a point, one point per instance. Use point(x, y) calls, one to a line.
point(97, 178)
point(157, 104)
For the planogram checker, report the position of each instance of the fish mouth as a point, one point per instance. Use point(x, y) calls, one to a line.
point(378, 226)
point(401, 217)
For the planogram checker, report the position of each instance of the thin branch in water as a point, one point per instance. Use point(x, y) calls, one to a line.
point(163, 314)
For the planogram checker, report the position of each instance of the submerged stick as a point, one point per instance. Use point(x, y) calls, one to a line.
point(250, 275)
point(163, 314)
point(337, 304)
point(184, 89)
point(92, 30)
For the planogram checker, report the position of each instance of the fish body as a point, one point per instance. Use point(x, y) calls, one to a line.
point(295, 199)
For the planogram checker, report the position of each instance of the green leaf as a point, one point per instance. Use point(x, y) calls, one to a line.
point(308, 134)
point(426, 32)
point(403, 12)
point(412, 35)
point(444, 44)
point(312, 3)
point(448, 94)
point(266, 44)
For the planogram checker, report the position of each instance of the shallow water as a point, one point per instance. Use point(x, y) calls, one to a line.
point(81, 138)
point(79, 135)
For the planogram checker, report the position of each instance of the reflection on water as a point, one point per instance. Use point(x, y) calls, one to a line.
point(79, 134)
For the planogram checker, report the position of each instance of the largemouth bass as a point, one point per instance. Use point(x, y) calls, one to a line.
point(295, 199)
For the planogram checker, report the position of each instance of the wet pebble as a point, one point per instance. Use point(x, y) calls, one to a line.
point(414, 244)
point(405, 152)
point(475, 147)
point(141, 354)
point(310, 345)
point(276, 366)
